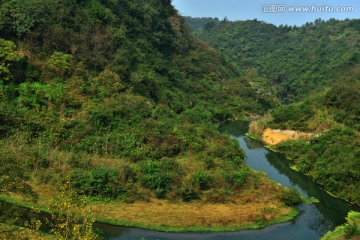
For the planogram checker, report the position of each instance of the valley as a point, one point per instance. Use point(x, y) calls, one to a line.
point(124, 112)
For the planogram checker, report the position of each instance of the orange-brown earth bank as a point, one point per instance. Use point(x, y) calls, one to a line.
point(275, 136)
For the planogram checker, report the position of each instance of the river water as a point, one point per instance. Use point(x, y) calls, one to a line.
point(313, 222)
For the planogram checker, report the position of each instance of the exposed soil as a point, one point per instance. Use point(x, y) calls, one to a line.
point(275, 136)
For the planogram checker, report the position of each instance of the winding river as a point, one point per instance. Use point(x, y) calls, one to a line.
point(312, 223)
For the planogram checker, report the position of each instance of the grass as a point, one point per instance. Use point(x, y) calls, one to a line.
point(253, 136)
point(163, 216)
point(242, 118)
point(345, 231)
point(295, 168)
point(271, 148)
point(310, 200)
point(254, 205)
point(335, 196)
point(293, 213)
point(185, 217)
point(250, 209)
point(8, 231)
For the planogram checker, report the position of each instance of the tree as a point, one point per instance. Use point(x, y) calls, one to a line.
point(70, 219)
point(21, 16)
point(106, 84)
point(209, 25)
point(8, 55)
point(59, 65)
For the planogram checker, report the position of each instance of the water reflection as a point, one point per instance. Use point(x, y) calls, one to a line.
point(326, 215)
point(253, 144)
point(315, 220)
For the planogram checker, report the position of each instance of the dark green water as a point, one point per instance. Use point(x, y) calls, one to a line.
point(314, 221)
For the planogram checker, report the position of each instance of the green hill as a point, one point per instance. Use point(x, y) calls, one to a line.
point(315, 66)
point(293, 62)
point(119, 97)
point(331, 158)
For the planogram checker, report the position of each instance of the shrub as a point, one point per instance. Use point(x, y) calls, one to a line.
point(210, 163)
point(160, 175)
point(291, 197)
point(98, 182)
point(127, 174)
point(351, 230)
point(237, 178)
point(77, 161)
point(188, 192)
point(202, 180)
point(156, 179)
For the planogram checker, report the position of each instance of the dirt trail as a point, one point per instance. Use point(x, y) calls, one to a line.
point(275, 136)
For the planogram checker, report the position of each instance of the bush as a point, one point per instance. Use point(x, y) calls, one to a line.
point(77, 161)
point(156, 179)
point(127, 174)
point(351, 230)
point(98, 182)
point(188, 192)
point(210, 163)
point(160, 176)
point(202, 180)
point(291, 197)
point(237, 178)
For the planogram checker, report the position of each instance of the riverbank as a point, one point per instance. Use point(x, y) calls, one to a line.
point(183, 217)
point(8, 231)
point(322, 159)
point(193, 217)
point(251, 209)
point(273, 137)
point(350, 230)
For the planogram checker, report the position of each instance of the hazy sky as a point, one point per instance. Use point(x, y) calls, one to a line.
point(271, 11)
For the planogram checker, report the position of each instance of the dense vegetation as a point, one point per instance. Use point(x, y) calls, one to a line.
point(198, 24)
point(332, 158)
point(349, 230)
point(339, 104)
point(119, 97)
point(287, 61)
point(315, 66)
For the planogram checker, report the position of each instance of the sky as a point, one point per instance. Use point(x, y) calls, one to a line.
point(290, 12)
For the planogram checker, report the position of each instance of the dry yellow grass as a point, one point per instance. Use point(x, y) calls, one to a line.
point(196, 214)
point(250, 207)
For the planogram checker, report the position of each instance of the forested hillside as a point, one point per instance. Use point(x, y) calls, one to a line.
point(199, 24)
point(315, 66)
point(119, 97)
point(333, 158)
point(293, 61)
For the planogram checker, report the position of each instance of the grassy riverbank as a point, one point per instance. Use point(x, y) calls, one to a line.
point(251, 209)
point(202, 228)
point(15, 232)
point(181, 217)
point(349, 230)
point(193, 217)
